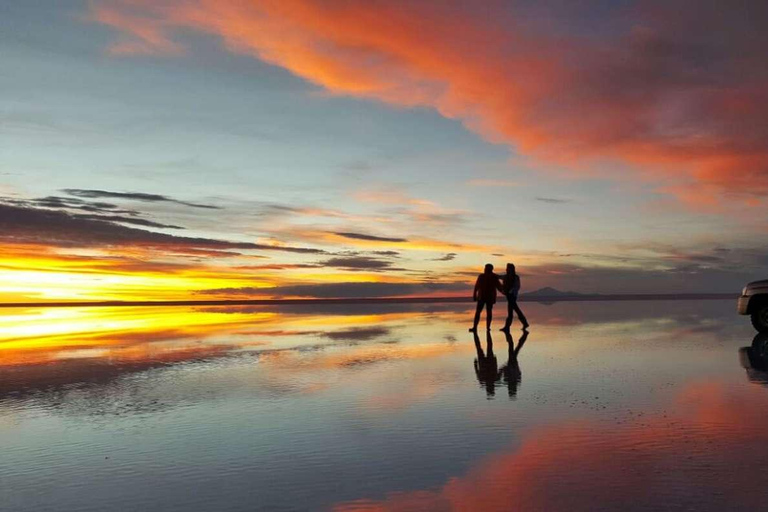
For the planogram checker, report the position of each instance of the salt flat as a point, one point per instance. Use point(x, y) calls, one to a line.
point(631, 405)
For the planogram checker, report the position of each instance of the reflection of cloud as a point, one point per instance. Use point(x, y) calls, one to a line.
point(358, 334)
point(24, 379)
point(359, 356)
point(690, 460)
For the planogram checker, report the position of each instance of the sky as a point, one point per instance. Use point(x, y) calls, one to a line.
point(182, 149)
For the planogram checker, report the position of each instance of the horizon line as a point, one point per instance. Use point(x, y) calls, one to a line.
point(596, 297)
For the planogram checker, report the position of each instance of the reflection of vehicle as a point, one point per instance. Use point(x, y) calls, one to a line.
point(754, 302)
point(754, 359)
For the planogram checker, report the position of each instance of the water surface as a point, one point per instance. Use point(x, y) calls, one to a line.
point(632, 406)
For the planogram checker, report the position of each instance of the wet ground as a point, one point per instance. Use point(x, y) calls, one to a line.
point(604, 406)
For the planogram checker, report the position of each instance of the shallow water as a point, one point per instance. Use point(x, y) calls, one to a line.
point(627, 405)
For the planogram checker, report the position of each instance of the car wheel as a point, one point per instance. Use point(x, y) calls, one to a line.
point(760, 317)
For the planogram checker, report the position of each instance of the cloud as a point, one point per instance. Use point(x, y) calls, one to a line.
point(70, 203)
point(304, 210)
point(128, 220)
point(412, 209)
point(97, 210)
point(343, 290)
point(369, 238)
point(279, 266)
point(655, 277)
point(135, 196)
point(26, 225)
point(448, 257)
point(357, 263)
point(492, 183)
point(553, 200)
point(677, 92)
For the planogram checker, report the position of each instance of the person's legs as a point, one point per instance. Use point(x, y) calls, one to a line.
point(520, 314)
point(488, 315)
point(480, 305)
point(510, 314)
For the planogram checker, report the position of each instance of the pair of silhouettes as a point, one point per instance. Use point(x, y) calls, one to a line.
point(485, 295)
point(486, 367)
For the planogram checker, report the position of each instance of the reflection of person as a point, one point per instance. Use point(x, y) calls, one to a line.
point(485, 295)
point(510, 373)
point(511, 288)
point(486, 366)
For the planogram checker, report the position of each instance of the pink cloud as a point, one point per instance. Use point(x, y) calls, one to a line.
point(684, 459)
point(670, 93)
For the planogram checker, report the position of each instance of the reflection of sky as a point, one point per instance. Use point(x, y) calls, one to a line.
point(270, 408)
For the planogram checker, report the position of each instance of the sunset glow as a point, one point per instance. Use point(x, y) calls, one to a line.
point(306, 148)
point(383, 255)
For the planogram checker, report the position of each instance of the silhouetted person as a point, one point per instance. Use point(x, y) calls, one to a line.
point(485, 295)
point(511, 288)
point(486, 366)
point(510, 373)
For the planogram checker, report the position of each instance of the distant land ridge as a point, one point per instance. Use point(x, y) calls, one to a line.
point(550, 292)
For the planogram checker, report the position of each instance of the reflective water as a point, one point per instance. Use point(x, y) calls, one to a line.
point(631, 406)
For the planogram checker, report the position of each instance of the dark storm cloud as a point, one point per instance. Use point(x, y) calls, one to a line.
point(134, 196)
point(25, 225)
point(343, 290)
point(371, 238)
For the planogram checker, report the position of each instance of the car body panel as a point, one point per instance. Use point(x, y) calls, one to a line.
point(743, 305)
point(756, 287)
point(753, 289)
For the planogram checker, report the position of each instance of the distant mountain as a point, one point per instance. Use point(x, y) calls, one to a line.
point(549, 292)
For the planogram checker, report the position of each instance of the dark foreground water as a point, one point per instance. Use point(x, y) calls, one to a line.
point(605, 406)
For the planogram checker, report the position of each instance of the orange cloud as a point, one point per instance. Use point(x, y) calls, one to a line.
point(679, 99)
point(148, 35)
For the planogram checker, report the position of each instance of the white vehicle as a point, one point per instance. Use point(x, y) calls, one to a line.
point(754, 302)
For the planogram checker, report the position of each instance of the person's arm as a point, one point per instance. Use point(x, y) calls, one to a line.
point(499, 286)
point(476, 292)
point(516, 285)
